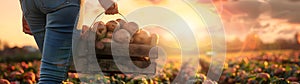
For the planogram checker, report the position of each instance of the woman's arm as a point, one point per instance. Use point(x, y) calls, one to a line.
point(110, 6)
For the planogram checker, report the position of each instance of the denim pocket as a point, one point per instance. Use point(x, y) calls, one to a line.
point(52, 5)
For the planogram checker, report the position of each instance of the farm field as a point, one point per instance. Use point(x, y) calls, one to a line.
point(252, 67)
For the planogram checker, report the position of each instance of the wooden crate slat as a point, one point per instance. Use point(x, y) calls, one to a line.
point(135, 50)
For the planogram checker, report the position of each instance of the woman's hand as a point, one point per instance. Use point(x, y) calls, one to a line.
point(113, 9)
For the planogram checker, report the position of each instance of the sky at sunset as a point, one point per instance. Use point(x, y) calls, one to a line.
point(270, 19)
point(10, 24)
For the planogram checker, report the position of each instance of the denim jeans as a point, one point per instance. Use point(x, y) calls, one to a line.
point(52, 23)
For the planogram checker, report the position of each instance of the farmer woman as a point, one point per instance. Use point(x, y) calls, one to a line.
point(51, 22)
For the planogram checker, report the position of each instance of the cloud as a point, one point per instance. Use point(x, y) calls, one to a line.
point(271, 19)
point(272, 33)
point(251, 8)
point(279, 9)
point(286, 9)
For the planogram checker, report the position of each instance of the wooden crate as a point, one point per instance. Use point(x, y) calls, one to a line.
point(139, 55)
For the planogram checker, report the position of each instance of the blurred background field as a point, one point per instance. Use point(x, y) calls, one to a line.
point(281, 66)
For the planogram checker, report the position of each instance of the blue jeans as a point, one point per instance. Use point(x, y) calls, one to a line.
point(52, 23)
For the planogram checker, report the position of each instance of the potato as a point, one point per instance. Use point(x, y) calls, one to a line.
point(251, 81)
point(243, 74)
point(27, 81)
point(100, 30)
point(274, 66)
point(263, 75)
point(121, 22)
point(131, 27)
point(279, 71)
point(105, 40)
point(99, 45)
point(112, 25)
point(100, 26)
point(121, 36)
point(15, 74)
point(201, 76)
point(141, 37)
point(293, 79)
point(154, 39)
point(4, 81)
point(236, 66)
point(257, 70)
point(109, 34)
point(30, 76)
point(84, 31)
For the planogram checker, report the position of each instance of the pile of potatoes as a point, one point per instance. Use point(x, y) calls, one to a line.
point(119, 31)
